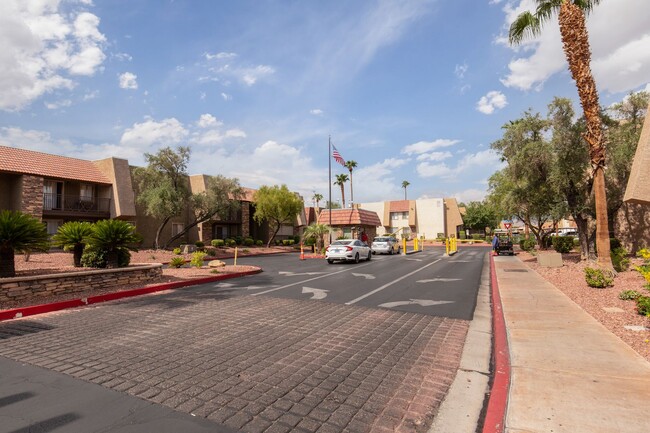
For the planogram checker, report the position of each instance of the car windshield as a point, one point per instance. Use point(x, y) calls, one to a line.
point(381, 240)
point(342, 242)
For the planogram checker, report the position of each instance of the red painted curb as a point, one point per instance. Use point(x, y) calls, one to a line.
point(74, 303)
point(496, 409)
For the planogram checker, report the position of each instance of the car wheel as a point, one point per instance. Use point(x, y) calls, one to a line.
point(356, 258)
point(369, 256)
point(330, 261)
point(390, 252)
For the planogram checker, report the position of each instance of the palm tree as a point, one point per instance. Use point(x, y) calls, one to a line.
point(72, 235)
point(351, 165)
point(575, 41)
point(19, 232)
point(405, 183)
point(317, 231)
point(340, 180)
point(113, 237)
point(317, 198)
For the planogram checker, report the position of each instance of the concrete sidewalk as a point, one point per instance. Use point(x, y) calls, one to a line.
point(568, 372)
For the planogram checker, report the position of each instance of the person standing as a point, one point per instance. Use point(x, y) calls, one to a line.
point(495, 245)
point(364, 237)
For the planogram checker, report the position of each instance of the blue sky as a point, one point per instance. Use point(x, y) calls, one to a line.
point(411, 90)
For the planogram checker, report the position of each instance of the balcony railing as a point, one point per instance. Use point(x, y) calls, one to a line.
point(75, 203)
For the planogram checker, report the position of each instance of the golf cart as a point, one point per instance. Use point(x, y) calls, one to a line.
point(505, 242)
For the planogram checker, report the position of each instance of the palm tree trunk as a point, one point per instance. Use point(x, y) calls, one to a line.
point(575, 40)
point(7, 263)
point(351, 191)
point(343, 194)
point(77, 253)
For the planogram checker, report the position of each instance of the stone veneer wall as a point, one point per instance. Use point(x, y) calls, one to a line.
point(15, 289)
point(32, 196)
point(245, 219)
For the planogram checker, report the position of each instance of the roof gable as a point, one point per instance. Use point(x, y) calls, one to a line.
point(348, 217)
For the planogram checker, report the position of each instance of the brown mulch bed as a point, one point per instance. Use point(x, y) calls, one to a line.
point(570, 279)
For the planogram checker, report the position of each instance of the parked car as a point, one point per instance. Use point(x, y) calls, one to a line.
point(347, 250)
point(385, 245)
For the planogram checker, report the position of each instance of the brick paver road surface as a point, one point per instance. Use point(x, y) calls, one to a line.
point(257, 364)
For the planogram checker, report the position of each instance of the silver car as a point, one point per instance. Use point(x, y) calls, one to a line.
point(347, 250)
point(386, 245)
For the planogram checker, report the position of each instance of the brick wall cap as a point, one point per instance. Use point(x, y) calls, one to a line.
point(133, 267)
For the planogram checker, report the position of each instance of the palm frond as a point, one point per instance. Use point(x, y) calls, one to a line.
point(526, 25)
point(586, 5)
point(546, 9)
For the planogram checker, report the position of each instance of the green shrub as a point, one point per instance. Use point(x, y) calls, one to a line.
point(218, 243)
point(576, 242)
point(477, 237)
point(527, 244)
point(643, 305)
point(310, 241)
point(644, 253)
point(230, 242)
point(96, 258)
point(177, 251)
point(287, 242)
point(113, 238)
point(239, 240)
point(248, 242)
point(598, 278)
point(614, 243)
point(620, 261)
point(462, 235)
point(211, 251)
point(71, 236)
point(562, 244)
point(199, 244)
point(197, 259)
point(176, 262)
point(627, 295)
point(259, 242)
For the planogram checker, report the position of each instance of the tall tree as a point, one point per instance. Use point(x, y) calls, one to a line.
point(479, 215)
point(317, 198)
point(222, 197)
point(340, 181)
point(405, 184)
point(351, 165)
point(575, 41)
point(277, 205)
point(163, 188)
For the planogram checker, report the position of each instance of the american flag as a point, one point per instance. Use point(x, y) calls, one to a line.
point(337, 156)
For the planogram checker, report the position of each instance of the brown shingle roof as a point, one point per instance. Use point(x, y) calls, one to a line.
point(399, 206)
point(51, 166)
point(347, 217)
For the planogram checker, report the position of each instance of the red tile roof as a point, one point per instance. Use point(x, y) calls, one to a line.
point(399, 206)
point(349, 217)
point(50, 166)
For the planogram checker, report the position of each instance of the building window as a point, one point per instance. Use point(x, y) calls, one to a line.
point(347, 232)
point(396, 216)
point(86, 192)
point(177, 228)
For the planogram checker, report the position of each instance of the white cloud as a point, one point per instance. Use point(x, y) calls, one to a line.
point(44, 48)
point(461, 70)
point(493, 100)
point(485, 160)
point(123, 57)
point(316, 112)
point(220, 56)
point(226, 66)
point(207, 120)
point(226, 97)
point(91, 95)
point(150, 133)
point(35, 140)
point(427, 146)
point(128, 80)
point(469, 195)
point(376, 182)
point(434, 156)
point(619, 41)
point(58, 104)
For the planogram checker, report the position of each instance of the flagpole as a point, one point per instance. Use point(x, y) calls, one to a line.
point(329, 160)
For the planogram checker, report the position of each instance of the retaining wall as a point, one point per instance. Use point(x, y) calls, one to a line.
point(15, 289)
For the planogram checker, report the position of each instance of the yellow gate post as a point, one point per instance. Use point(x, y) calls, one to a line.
point(415, 245)
point(447, 246)
point(404, 246)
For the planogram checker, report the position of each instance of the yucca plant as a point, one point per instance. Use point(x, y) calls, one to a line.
point(72, 235)
point(19, 232)
point(111, 236)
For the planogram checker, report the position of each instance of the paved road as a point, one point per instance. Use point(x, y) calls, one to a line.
point(276, 361)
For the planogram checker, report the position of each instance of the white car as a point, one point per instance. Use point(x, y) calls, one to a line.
point(386, 245)
point(347, 250)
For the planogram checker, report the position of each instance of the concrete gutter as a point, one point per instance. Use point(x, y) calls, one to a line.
point(462, 408)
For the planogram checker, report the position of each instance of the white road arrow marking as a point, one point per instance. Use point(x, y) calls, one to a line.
point(366, 276)
point(317, 293)
point(292, 274)
point(422, 302)
point(224, 285)
point(442, 280)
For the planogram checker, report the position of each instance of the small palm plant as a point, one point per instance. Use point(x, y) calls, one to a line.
point(113, 237)
point(72, 235)
point(19, 232)
point(317, 231)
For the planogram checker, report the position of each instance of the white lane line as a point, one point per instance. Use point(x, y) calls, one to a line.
point(312, 279)
point(379, 289)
